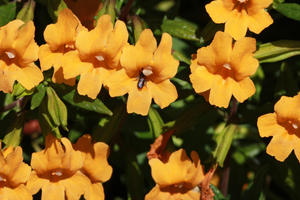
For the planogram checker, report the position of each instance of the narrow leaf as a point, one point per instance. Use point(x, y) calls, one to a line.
point(155, 122)
point(14, 133)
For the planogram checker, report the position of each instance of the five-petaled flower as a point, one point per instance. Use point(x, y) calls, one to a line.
point(60, 38)
point(56, 170)
point(13, 174)
point(222, 69)
point(284, 126)
point(97, 55)
point(18, 51)
point(239, 15)
point(95, 165)
point(146, 74)
point(177, 178)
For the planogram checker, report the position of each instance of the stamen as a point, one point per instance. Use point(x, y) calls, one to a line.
point(196, 189)
point(57, 173)
point(69, 46)
point(100, 58)
point(10, 55)
point(2, 179)
point(227, 66)
point(147, 71)
point(242, 1)
point(295, 126)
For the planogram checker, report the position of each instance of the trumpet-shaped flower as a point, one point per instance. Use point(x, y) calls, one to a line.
point(222, 69)
point(60, 38)
point(239, 15)
point(56, 170)
point(95, 165)
point(97, 55)
point(178, 178)
point(13, 175)
point(18, 51)
point(146, 74)
point(284, 126)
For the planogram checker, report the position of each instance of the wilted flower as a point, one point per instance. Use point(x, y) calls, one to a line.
point(18, 51)
point(284, 126)
point(95, 165)
point(239, 15)
point(222, 69)
point(13, 175)
point(177, 178)
point(146, 74)
point(97, 55)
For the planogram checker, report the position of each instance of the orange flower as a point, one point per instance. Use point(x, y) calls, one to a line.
point(222, 69)
point(86, 10)
point(97, 56)
point(284, 126)
point(95, 165)
point(13, 175)
point(60, 38)
point(146, 74)
point(239, 15)
point(56, 170)
point(178, 178)
point(18, 51)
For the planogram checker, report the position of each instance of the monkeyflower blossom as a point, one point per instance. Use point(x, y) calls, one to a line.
point(146, 74)
point(222, 69)
point(239, 15)
point(97, 55)
point(177, 178)
point(13, 174)
point(95, 165)
point(284, 127)
point(60, 38)
point(56, 170)
point(18, 51)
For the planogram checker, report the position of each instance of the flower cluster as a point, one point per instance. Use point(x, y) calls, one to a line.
point(61, 170)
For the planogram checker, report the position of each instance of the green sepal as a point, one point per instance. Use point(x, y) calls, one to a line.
point(38, 96)
point(19, 91)
point(13, 135)
point(155, 122)
point(54, 7)
point(26, 14)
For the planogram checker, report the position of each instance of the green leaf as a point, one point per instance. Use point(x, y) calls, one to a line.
point(223, 137)
point(14, 133)
point(290, 10)
point(38, 97)
point(218, 193)
point(180, 28)
point(19, 91)
point(155, 122)
point(27, 12)
point(7, 13)
point(277, 51)
point(57, 109)
point(86, 103)
point(181, 57)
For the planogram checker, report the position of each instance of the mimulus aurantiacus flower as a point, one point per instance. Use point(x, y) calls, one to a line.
point(56, 170)
point(97, 55)
point(222, 69)
point(60, 38)
point(239, 15)
point(95, 165)
point(18, 51)
point(13, 175)
point(284, 126)
point(177, 178)
point(146, 74)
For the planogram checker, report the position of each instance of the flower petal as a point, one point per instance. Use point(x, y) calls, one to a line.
point(95, 191)
point(35, 183)
point(164, 64)
point(237, 24)
point(163, 93)
point(243, 89)
point(267, 125)
point(258, 5)
point(20, 174)
point(259, 21)
point(6, 79)
point(286, 106)
point(52, 191)
point(220, 92)
point(48, 58)
point(207, 58)
point(222, 47)
point(75, 186)
point(217, 11)
point(201, 79)
point(157, 194)
point(73, 66)
point(119, 83)
point(139, 100)
point(90, 83)
point(8, 34)
point(23, 193)
point(72, 160)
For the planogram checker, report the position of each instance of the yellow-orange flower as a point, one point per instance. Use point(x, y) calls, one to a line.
point(178, 178)
point(284, 126)
point(18, 51)
point(239, 15)
point(222, 69)
point(60, 38)
point(13, 175)
point(97, 55)
point(95, 165)
point(56, 170)
point(146, 74)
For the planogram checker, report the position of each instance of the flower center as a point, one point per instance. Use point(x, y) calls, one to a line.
point(294, 125)
point(10, 55)
point(2, 179)
point(146, 72)
point(69, 46)
point(99, 58)
point(57, 173)
point(227, 66)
